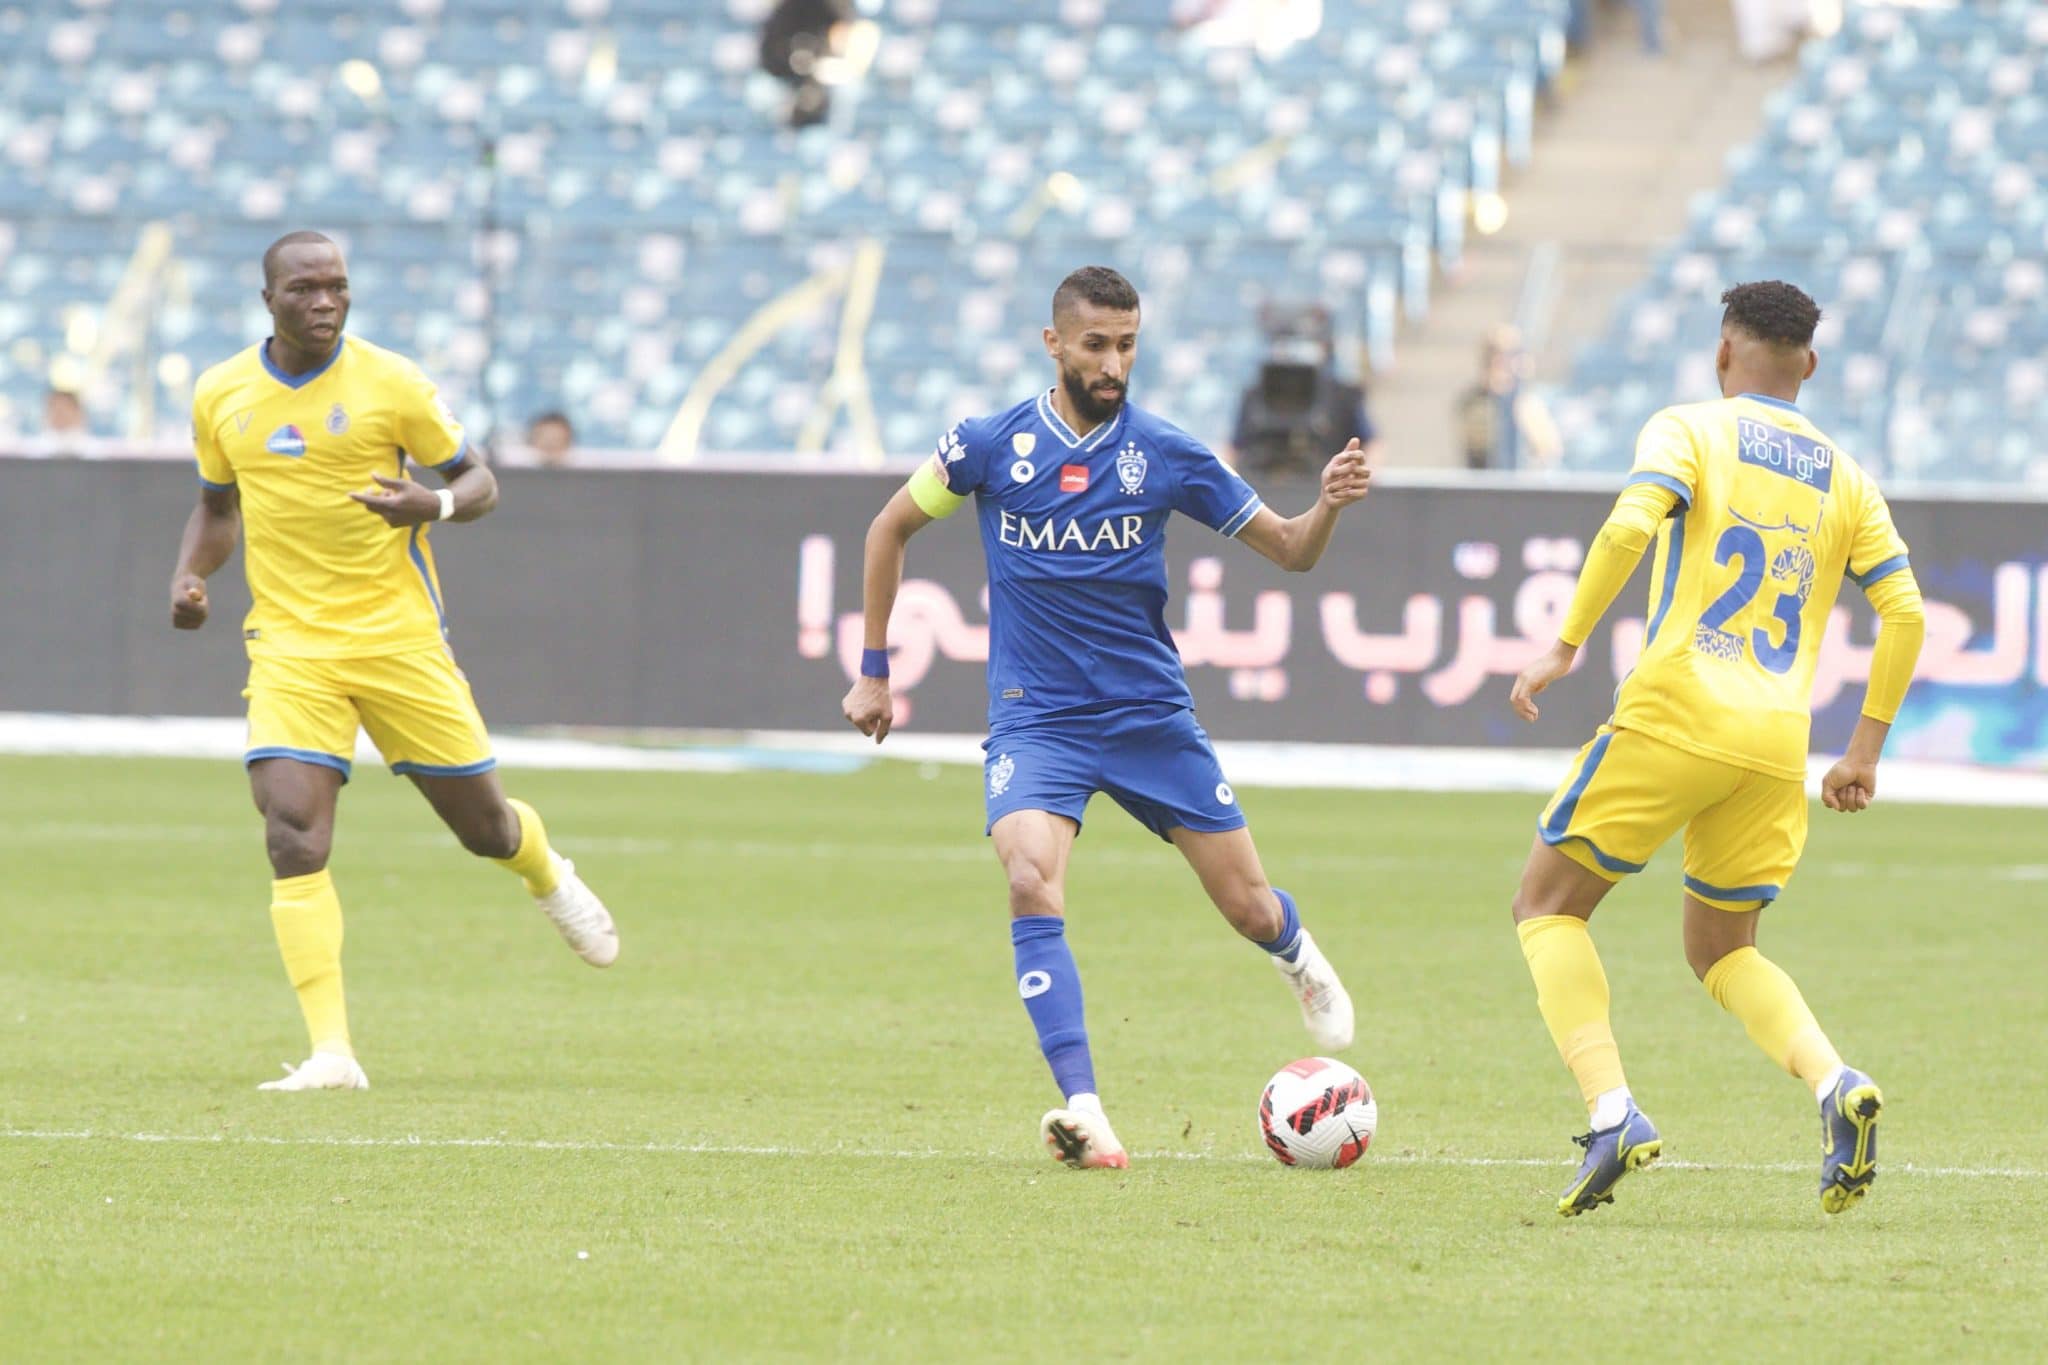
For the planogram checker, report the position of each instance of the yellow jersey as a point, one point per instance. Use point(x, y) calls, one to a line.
point(328, 577)
point(1770, 516)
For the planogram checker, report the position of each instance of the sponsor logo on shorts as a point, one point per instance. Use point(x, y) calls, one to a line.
point(999, 774)
point(1224, 795)
point(1033, 984)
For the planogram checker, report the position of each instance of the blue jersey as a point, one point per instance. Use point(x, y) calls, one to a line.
point(1074, 529)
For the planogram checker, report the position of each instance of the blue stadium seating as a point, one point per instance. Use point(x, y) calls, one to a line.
point(1902, 181)
point(643, 200)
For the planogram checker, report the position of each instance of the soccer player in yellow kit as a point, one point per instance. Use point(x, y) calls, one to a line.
point(1757, 517)
point(304, 439)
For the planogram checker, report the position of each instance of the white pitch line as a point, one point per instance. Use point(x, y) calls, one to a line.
point(927, 1153)
point(968, 850)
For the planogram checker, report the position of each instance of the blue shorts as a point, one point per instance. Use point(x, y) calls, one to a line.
point(1154, 761)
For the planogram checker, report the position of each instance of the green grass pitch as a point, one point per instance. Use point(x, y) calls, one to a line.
point(798, 1119)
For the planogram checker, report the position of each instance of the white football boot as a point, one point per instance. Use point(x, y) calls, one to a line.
point(1079, 1136)
point(321, 1071)
point(575, 909)
point(1325, 1005)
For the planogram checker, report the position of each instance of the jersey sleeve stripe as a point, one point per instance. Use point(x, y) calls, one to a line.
point(1672, 554)
point(1242, 516)
point(455, 461)
point(1664, 481)
point(205, 482)
point(1879, 572)
point(1732, 893)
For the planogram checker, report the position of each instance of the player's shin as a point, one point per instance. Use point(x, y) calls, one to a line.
point(306, 914)
point(1051, 987)
point(1758, 992)
point(534, 861)
point(1571, 992)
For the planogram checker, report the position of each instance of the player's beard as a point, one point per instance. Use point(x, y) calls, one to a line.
point(1090, 406)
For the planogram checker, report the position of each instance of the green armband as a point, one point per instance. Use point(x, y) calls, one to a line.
point(928, 490)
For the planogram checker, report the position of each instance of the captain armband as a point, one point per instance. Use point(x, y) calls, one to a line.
point(929, 491)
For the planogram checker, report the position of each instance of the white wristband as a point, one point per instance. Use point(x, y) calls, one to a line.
point(447, 497)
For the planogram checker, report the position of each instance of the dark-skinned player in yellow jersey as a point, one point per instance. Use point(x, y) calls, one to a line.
point(302, 442)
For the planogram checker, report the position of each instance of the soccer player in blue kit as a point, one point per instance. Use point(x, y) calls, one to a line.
point(1086, 690)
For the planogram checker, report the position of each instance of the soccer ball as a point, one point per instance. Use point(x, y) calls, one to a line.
point(1317, 1113)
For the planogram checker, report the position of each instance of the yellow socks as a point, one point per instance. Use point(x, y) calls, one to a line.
point(307, 916)
point(1756, 990)
point(534, 862)
point(1571, 990)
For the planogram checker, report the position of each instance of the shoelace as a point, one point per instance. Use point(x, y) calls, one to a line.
point(581, 916)
point(1586, 1141)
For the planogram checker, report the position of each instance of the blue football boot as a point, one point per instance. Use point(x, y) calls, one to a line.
point(1610, 1154)
point(1848, 1140)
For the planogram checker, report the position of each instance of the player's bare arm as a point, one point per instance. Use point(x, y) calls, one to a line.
point(210, 535)
point(402, 502)
point(868, 704)
point(1297, 543)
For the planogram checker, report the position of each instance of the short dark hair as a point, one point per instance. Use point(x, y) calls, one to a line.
point(551, 415)
point(1096, 284)
point(1773, 312)
point(298, 238)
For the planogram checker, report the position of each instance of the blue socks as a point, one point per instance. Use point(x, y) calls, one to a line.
point(1051, 987)
point(1287, 946)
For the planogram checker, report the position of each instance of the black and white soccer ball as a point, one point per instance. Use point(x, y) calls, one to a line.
point(1317, 1113)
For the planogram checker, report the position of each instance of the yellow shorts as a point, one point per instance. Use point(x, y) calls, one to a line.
point(1628, 793)
point(417, 707)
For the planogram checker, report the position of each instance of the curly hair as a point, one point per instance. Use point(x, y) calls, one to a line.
point(1097, 284)
point(1772, 311)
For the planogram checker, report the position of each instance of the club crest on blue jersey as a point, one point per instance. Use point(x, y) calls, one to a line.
point(286, 440)
point(999, 774)
point(1130, 468)
point(337, 420)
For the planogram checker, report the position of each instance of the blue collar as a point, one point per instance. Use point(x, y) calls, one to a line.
point(1772, 402)
point(298, 381)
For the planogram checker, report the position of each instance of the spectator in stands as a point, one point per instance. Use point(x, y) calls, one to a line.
point(65, 430)
point(1299, 409)
point(552, 440)
point(1649, 14)
point(1766, 30)
point(1501, 423)
point(812, 45)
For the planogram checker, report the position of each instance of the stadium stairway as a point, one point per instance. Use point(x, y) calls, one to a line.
point(1617, 161)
